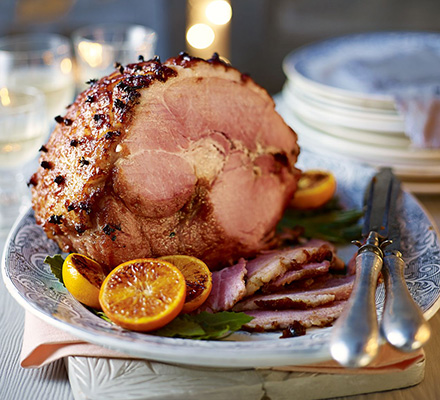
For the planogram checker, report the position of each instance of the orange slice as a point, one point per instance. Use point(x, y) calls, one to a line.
point(83, 278)
point(143, 294)
point(315, 188)
point(198, 279)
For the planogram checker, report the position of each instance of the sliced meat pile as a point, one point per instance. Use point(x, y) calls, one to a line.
point(303, 284)
point(182, 157)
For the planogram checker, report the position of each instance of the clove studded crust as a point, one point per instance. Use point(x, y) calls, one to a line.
point(182, 157)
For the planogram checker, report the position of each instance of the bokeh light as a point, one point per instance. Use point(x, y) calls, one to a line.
point(66, 66)
point(219, 12)
point(200, 36)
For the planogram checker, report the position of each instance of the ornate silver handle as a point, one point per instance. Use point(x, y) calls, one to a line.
point(355, 336)
point(403, 324)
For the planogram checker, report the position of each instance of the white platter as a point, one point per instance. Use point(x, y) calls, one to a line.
point(361, 113)
point(342, 97)
point(296, 86)
point(345, 118)
point(359, 135)
point(312, 138)
point(32, 284)
point(367, 69)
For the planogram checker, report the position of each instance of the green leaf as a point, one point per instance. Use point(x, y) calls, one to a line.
point(205, 326)
point(330, 223)
point(56, 266)
point(182, 326)
point(220, 320)
point(100, 314)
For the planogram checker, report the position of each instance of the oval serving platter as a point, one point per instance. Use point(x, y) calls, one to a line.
point(31, 283)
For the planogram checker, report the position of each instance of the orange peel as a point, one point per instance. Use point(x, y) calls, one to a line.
point(315, 188)
point(143, 294)
point(198, 279)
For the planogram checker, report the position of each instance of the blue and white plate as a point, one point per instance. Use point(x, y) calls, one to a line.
point(32, 284)
point(369, 67)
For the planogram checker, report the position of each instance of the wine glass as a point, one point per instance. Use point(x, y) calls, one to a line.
point(23, 129)
point(41, 60)
point(98, 47)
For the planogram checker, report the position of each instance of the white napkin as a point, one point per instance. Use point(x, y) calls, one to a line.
point(422, 118)
point(43, 344)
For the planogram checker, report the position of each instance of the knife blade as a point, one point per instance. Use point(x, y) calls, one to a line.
point(355, 337)
point(403, 324)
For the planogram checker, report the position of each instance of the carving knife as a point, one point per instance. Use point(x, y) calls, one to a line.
point(402, 324)
point(355, 336)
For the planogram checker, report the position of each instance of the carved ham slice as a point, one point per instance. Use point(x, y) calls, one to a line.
point(270, 266)
point(334, 288)
point(307, 271)
point(227, 288)
point(274, 320)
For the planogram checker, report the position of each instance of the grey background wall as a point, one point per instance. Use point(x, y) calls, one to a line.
point(263, 32)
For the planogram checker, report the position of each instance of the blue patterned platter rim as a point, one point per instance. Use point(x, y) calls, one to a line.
point(371, 65)
point(32, 284)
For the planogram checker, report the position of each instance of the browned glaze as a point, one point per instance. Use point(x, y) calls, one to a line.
point(73, 193)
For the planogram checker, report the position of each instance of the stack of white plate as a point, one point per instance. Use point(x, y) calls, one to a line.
point(335, 114)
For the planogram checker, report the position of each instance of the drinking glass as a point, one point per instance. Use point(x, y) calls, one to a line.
point(23, 129)
point(98, 47)
point(41, 60)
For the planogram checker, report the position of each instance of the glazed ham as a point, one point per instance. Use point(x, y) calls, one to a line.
point(182, 157)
